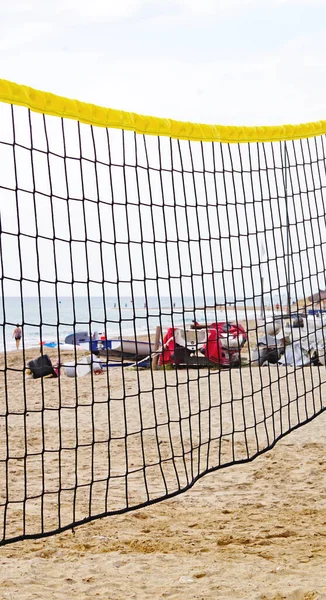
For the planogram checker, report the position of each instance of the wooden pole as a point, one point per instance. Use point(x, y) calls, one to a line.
point(156, 347)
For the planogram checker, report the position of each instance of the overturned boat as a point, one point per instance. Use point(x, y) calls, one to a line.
point(118, 349)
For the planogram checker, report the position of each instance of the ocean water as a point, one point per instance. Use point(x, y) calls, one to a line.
point(49, 319)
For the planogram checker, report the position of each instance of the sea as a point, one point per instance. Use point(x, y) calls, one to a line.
point(49, 319)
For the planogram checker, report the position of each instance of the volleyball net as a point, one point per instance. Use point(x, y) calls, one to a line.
point(162, 292)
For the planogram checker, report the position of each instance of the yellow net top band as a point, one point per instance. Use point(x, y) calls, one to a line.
point(51, 104)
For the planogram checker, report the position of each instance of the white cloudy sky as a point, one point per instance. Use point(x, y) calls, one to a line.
point(248, 62)
point(220, 61)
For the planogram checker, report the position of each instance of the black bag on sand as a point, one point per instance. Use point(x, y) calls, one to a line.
point(41, 366)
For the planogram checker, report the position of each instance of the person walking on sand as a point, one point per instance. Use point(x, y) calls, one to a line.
point(17, 334)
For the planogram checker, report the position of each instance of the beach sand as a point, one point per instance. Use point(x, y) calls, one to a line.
point(255, 530)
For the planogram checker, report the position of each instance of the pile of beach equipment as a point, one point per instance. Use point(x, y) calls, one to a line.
point(293, 340)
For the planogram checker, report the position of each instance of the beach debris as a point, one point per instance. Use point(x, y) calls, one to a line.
point(296, 355)
point(271, 327)
point(299, 344)
point(269, 349)
point(186, 579)
point(298, 322)
point(41, 367)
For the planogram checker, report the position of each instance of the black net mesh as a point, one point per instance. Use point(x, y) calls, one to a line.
point(167, 299)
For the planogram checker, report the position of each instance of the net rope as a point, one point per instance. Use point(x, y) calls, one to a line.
point(149, 277)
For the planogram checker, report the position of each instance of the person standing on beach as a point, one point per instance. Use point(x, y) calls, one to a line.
point(17, 334)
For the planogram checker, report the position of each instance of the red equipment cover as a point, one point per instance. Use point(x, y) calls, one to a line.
point(166, 358)
point(224, 344)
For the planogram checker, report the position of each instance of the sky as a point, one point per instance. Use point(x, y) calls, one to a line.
point(234, 62)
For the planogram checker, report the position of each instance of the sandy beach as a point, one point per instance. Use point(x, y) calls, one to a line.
point(254, 530)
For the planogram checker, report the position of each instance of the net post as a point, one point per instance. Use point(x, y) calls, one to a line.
point(288, 241)
point(262, 307)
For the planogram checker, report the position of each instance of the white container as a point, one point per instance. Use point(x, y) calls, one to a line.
point(70, 369)
point(83, 366)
